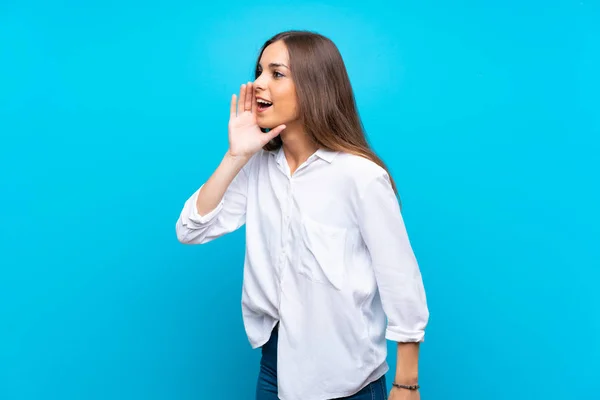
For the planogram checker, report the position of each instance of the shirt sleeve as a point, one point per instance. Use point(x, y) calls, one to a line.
point(226, 217)
point(396, 269)
point(197, 219)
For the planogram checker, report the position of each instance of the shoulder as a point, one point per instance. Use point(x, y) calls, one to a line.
point(360, 170)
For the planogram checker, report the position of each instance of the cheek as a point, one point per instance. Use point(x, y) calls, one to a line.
point(289, 100)
point(285, 102)
point(285, 93)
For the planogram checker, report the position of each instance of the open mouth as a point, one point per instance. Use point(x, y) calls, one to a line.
point(263, 105)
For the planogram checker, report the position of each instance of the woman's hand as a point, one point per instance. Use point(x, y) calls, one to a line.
point(245, 136)
point(404, 394)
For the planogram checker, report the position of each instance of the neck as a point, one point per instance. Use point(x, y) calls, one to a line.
point(297, 147)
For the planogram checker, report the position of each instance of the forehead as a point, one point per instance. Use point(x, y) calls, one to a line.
point(275, 53)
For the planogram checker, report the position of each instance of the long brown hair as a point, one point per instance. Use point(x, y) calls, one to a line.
point(325, 97)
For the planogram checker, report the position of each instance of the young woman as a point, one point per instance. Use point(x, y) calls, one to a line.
point(329, 272)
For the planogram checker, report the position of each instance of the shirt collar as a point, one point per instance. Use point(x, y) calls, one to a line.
point(327, 155)
point(279, 156)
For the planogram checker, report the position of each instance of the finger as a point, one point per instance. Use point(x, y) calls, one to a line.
point(248, 102)
point(275, 131)
point(232, 107)
point(253, 101)
point(242, 99)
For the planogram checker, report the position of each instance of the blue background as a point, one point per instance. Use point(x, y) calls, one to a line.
point(112, 114)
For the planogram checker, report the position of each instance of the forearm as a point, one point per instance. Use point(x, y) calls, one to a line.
point(215, 187)
point(407, 364)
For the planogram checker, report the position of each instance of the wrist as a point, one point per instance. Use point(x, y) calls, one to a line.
point(404, 380)
point(236, 158)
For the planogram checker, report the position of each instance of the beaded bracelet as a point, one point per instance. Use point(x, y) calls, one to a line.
point(409, 387)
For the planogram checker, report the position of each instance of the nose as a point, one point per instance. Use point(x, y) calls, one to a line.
point(259, 83)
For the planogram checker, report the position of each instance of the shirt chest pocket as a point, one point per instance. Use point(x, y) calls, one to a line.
point(323, 254)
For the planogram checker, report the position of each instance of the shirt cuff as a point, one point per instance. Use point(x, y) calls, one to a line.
point(404, 337)
point(195, 217)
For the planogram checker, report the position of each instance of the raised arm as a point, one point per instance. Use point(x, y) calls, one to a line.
point(219, 206)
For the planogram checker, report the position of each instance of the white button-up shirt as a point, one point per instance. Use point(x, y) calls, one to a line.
point(328, 256)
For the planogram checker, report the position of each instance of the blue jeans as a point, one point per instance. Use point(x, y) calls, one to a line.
point(266, 388)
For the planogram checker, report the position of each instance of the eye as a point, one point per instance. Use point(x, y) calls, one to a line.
point(278, 74)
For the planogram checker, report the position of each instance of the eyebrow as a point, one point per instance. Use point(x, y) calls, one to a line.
point(275, 65)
